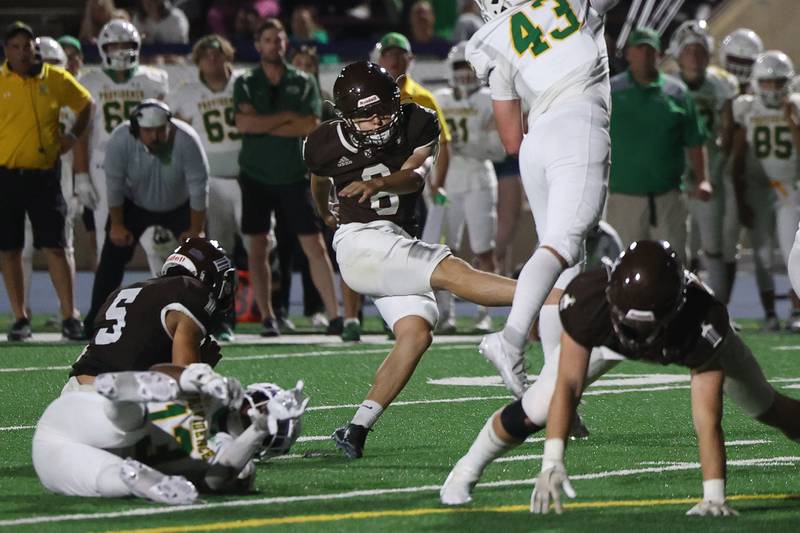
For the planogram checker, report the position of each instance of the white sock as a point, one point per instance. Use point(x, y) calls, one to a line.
point(534, 284)
point(549, 329)
point(348, 321)
point(487, 447)
point(367, 414)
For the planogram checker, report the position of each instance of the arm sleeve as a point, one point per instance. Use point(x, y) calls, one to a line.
point(501, 83)
point(74, 95)
point(114, 165)
point(602, 6)
point(695, 132)
point(196, 172)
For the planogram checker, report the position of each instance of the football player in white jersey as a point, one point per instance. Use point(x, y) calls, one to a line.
point(117, 87)
point(712, 90)
point(49, 51)
point(552, 56)
point(121, 439)
point(765, 170)
point(207, 104)
point(472, 183)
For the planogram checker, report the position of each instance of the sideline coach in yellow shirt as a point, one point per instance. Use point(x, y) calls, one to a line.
point(31, 96)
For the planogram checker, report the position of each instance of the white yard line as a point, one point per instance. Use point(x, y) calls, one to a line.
point(288, 355)
point(149, 511)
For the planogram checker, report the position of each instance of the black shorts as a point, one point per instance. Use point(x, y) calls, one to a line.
point(37, 193)
point(291, 204)
point(87, 216)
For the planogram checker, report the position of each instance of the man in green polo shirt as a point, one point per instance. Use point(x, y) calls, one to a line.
point(276, 107)
point(655, 129)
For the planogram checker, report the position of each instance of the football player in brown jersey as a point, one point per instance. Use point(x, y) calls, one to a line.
point(647, 308)
point(377, 155)
point(162, 320)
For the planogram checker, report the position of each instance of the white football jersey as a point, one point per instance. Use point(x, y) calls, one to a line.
point(770, 145)
point(709, 98)
point(185, 422)
point(475, 141)
point(212, 115)
point(115, 101)
point(543, 52)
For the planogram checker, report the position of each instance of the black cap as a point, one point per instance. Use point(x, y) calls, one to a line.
point(17, 27)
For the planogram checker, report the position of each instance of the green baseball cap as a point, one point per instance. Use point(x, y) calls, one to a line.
point(69, 40)
point(395, 40)
point(647, 36)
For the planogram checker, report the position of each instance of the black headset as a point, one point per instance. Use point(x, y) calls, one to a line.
point(137, 113)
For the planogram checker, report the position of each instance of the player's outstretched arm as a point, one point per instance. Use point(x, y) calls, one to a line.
point(707, 418)
point(573, 362)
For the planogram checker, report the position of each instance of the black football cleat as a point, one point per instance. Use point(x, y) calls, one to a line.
point(350, 439)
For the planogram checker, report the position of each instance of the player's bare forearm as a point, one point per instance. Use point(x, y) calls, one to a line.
point(707, 418)
point(197, 220)
point(80, 161)
point(82, 119)
point(698, 162)
point(726, 127)
point(298, 127)
point(186, 337)
point(320, 192)
point(508, 117)
point(572, 365)
point(442, 165)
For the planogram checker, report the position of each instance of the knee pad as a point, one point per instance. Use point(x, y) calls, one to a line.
point(516, 423)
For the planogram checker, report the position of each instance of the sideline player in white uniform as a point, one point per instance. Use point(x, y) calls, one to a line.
point(712, 90)
point(765, 167)
point(99, 444)
point(117, 87)
point(207, 104)
point(551, 54)
point(49, 51)
point(737, 53)
point(471, 179)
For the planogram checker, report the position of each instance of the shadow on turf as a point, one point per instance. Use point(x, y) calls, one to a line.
point(17, 471)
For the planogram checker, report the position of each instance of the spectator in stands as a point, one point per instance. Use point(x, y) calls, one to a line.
point(246, 25)
point(96, 14)
point(468, 21)
point(223, 16)
point(305, 27)
point(160, 22)
point(33, 94)
point(421, 21)
point(276, 107)
point(655, 128)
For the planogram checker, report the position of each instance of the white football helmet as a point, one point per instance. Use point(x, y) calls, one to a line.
point(738, 52)
point(119, 31)
point(460, 73)
point(690, 32)
point(256, 396)
point(491, 8)
point(49, 51)
point(772, 65)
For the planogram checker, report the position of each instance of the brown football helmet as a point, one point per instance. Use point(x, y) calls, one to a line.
point(363, 90)
point(646, 290)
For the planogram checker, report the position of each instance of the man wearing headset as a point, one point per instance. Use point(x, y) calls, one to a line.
point(156, 174)
point(31, 96)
